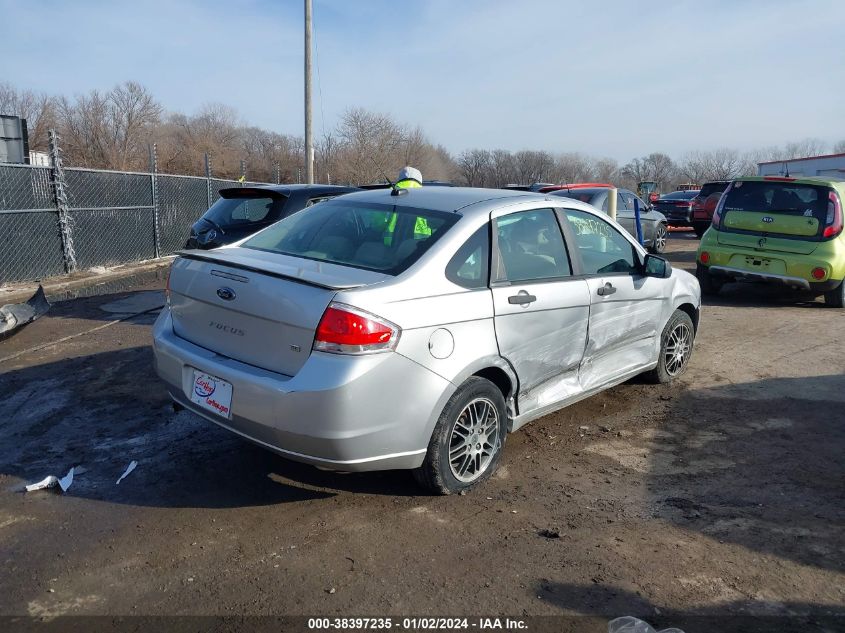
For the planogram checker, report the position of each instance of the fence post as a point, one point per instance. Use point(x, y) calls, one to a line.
point(243, 171)
point(154, 185)
point(208, 179)
point(278, 174)
point(62, 206)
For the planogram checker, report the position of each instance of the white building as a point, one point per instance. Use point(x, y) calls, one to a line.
point(830, 165)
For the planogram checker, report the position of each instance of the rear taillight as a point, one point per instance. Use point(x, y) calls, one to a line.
point(818, 273)
point(347, 330)
point(833, 221)
point(704, 257)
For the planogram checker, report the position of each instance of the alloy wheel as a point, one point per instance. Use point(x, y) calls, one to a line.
point(678, 347)
point(474, 440)
point(660, 239)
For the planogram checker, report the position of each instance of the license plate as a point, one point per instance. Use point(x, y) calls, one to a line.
point(757, 262)
point(212, 393)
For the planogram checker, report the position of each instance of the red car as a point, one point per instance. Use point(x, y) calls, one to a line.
point(705, 203)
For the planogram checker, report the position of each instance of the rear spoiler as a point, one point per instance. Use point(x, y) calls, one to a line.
point(320, 280)
point(248, 192)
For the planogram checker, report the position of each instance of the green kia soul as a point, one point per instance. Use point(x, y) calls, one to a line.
point(780, 230)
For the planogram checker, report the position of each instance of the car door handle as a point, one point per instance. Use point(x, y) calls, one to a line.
point(606, 289)
point(522, 298)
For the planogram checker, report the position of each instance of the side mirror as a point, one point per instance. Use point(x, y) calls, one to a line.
point(656, 266)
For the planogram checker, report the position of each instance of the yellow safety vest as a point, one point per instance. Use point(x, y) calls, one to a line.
point(421, 227)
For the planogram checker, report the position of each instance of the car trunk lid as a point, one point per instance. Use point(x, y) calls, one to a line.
point(256, 307)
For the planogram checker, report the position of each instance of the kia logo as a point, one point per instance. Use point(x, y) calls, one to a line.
point(767, 219)
point(227, 294)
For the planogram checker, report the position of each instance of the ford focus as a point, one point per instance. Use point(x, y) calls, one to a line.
point(415, 329)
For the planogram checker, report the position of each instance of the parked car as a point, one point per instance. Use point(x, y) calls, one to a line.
point(415, 331)
point(705, 203)
point(779, 230)
point(242, 211)
point(655, 231)
point(677, 207)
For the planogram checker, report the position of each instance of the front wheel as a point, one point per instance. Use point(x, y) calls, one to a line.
point(467, 442)
point(836, 298)
point(658, 242)
point(676, 344)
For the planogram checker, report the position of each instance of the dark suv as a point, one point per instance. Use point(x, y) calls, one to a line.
point(705, 203)
point(242, 211)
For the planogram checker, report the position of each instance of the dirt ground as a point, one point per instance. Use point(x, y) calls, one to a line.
point(720, 495)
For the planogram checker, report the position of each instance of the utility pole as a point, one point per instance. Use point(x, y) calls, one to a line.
point(309, 134)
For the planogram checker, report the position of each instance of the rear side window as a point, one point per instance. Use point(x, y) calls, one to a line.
point(235, 211)
point(471, 264)
point(378, 237)
point(603, 250)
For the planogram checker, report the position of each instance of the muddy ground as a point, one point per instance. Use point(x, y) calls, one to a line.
point(720, 495)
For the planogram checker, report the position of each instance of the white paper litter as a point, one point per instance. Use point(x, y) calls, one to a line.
point(51, 480)
point(128, 470)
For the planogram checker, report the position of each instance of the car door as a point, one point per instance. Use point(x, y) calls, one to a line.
point(541, 311)
point(625, 305)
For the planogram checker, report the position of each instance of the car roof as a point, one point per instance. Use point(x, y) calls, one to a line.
point(807, 180)
point(441, 198)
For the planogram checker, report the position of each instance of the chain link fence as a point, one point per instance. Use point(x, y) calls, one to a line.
point(115, 217)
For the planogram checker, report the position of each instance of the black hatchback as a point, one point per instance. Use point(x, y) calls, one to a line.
point(242, 211)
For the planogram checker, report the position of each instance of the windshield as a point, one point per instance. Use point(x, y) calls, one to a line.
point(378, 237)
point(244, 210)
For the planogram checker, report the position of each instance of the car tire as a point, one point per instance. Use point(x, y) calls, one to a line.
point(709, 286)
point(474, 420)
point(658, 242)
point(700, 230)
point(836, 297)
point(676, 345)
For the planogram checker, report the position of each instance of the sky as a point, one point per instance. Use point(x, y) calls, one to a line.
point(605, 78)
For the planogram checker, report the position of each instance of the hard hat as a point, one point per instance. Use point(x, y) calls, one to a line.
point(410, 173)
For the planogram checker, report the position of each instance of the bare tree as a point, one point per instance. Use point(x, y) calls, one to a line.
point(839, 148)
point(474, 166)
point(38, 109)
point(372, 142)
point(657, 167)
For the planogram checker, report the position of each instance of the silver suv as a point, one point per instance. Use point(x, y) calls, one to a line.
point(415, 329)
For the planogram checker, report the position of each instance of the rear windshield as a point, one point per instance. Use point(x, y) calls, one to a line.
point(378, 237)
point(710, 188)
point(778, 198)
point(584, 195)
point(680, 195)
point(244, 210)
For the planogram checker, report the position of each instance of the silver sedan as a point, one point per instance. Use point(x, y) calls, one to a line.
point(415, 329)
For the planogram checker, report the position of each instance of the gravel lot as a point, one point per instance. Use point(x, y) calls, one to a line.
point(721, 494)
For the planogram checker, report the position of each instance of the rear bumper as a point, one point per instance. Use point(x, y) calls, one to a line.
point(678, 217)
point(347, 413)
point(793, 282)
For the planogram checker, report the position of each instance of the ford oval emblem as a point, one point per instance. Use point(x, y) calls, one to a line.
point(227, 294)
point(768, 219)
